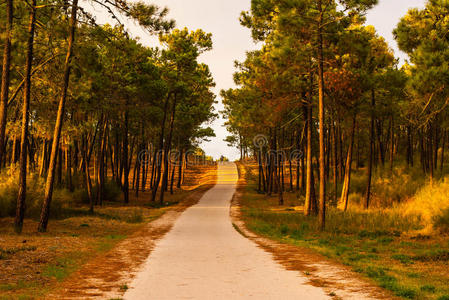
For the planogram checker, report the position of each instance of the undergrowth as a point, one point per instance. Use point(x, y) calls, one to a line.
point(399, 243)
point(64, 202)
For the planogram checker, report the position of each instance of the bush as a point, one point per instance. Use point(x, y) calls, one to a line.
point(428, 288)
point(136, 216)
point(8, 195)
point(111, 192)
point(388, 188)
point(432, 204)
point(442, 221)
point(35, 194)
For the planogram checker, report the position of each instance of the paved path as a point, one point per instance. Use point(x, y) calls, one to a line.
point(204, 257)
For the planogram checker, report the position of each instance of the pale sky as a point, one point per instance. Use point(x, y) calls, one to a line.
point(231, 41)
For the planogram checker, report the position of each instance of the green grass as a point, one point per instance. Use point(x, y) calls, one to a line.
point(377, 243)
point(108, 242)
point(21, 285)
point(61, 269)
point(7, 287)
point(238, 229)
point(133, 216)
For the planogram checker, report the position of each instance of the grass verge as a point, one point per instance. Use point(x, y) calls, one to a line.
point(382, 245)
point(33, 264)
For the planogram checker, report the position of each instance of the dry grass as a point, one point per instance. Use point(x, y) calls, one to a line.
point(32, 264)
point(385, 245)
point(432, 203)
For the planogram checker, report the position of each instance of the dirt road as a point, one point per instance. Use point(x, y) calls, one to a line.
point(204, 257)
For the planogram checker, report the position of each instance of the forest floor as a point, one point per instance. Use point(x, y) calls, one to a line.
point(406, 264)
point(87, 255)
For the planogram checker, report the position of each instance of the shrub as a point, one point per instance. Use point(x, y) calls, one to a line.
point(404, 259)
point(442, 221)
point(388, 188)
point(428, 288)
point(432, 204)
point(135, 216)
point(35, 194)
point(111, 192)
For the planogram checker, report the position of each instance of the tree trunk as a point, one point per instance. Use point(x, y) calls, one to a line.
point(380, 143)
point(136, 178)
point(161, 147)
point(153, 169)
point(298, 162)
point(118, 178)
point(172, 179)
point(136, 163)
point(346, 185)
point(75, 156)
point(58, 126)
point(309, 170)
point(422, 152)
point(68, 160)
point(322, 194)
point(303, 168)
point(437, 147)
point(341, 161)
point(59, 168)
point(370, 152)
point(276, 175)
point(31, 145)
point(269, 171)
point(5, 76)
point(20, 210)
point(101, 157)
point(181, 156)
point(335, 169)
point(125, 162)
point(14, 151)
point(84, 148)
point(167, 149)
point(44, 153)
point(313, 203)
point(281, 170)
point(145, 169)
point(291, 174)
point(262, 172)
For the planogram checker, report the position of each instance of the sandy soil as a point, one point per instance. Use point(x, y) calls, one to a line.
point(204, 257)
